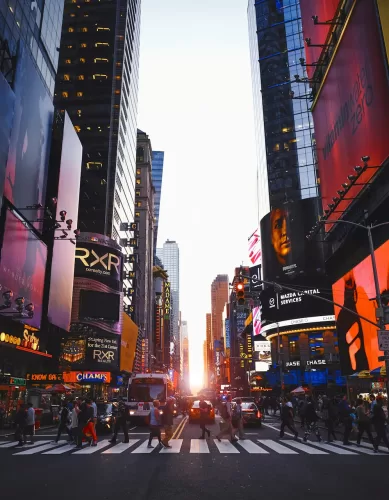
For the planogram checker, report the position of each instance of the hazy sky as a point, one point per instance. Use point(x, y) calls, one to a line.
point(195, 102)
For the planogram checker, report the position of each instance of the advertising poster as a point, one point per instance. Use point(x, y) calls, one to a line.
point(285, 250)
point(27, 165)
point(7, 104)
point(62, 269)
point(128, 344)
point(358, 341)
point(351, 112)
point(22, 268)
point(263, 350)
point(257, 318)
point(93, 352)
point(255, 252)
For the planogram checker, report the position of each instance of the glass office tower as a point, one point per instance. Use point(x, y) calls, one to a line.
point(156, 175)
point(283, 122)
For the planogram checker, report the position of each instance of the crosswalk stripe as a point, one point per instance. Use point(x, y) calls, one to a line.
point(38, 449)
point(175, 446)
point(93, 449)
point(60, 450)
point(380, 448)
point(225, 446)
point(198, 446)
point(143, 448)
point(5, 442)
point(359, 449)
point(119, 448)
point(14, 444)
point(251, 447)
point(303, 447)
point(333, 449)
point(277, 447)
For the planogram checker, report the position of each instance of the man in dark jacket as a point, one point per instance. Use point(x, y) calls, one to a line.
point(20, 422)
point(287, 419)
point(379, 419)
point(120, 412)
point(311, 419)
point(204, 415)
point(85, 415)
point(63, 423)
point(345, 416)
point(167, 419)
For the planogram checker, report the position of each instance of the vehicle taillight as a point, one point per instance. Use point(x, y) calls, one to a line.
point(192, 410)
point(258, 414)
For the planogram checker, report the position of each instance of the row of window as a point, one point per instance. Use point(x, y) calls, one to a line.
point(85, 29)
point(82, 60)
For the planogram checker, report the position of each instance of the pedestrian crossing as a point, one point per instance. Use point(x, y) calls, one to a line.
point(286, 446)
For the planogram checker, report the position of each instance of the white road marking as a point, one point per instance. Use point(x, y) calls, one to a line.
point(198, 446)
point(143, 447)
point(88, 450)
point(369, 445)
point(252, 447)
point(359, 449)
point(304, 447)
point(333, 449)
point(175, 446)
point(61, 450)
point(14, 444)
point(225, 446)
point(38, 449)
point(273, 445)
point(119, 448)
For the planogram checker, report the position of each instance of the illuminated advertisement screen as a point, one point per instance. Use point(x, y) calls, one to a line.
point(7, 103)
point(91, 352)
point(62, 269)
point(263, 348)
point(352, 109)
point(358, 343)
point(285, 248)
point(22, 268)
point(255, 252)
point(257, 315)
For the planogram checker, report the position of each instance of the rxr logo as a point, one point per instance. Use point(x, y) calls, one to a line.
point(105, 356)
point(107, 260)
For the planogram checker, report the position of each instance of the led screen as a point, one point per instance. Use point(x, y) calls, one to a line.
point(99, 305)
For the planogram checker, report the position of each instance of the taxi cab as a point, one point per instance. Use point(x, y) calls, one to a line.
point(194, 413)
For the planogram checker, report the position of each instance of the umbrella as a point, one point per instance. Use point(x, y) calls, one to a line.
point(298, 390)
point(59, 388)
point(380, 371)
point(364, 374)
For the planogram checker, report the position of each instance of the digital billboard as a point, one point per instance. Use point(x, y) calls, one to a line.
point(263, 348)
point(325, 10)
point(93, 352)
point(62, 268)
point(285, 248)
point(358, 341)
point(255, 253)
point(257, 318)
point(297, 310)
point(7, 103)
point(350, 115)
point(27, 165)
point(22, 268)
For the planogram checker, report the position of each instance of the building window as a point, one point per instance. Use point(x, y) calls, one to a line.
point(100, 28)
point(82, 60)
point(103, 182)
point(69, 46)
point(72, 15)
point(66, 77)
point(65, 95)
point(294, 348)
point(117, 91)
point(71, 29)
point(81, 77)
point(80, 94)
point(84, 45)
point(316, 346)
point(77, 128)
point(94, 165)
point(138, 182)
point(98, 76)
point(84, 29)
point(101, 44)
point(140, 155)
point(118, 77)
point(138, 171)
point(138, 204)
point(68, 61)
point(137, 192)
point(137, 214)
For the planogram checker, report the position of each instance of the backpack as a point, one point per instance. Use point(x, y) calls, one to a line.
point(224, 412)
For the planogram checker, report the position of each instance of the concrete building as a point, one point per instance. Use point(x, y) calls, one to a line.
point(219, 297)
point(185, 355)
point(157, 174)
point(208, 366)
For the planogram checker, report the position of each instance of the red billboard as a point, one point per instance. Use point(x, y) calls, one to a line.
point(351, 112)
point(324, 10)
point(358, 344)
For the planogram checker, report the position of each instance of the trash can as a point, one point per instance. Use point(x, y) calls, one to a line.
point(38, 416)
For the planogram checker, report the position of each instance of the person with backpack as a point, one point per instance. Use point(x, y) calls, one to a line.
point(237, 421)
point(155, 424)
point(120, 412)
point(287, 420)
point(379, 419)
point(226, 426)
point(328, 414)
point(167, 419)
point(345, 412)
point(363, 423)
point(64, 420)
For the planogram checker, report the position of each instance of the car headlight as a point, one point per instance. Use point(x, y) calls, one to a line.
point(107, 419)
point(132, 413)
point(161, 412)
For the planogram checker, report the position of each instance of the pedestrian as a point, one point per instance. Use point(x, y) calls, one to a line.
point(379, 420)
point(85, 417)
point(311, 419)
point(345, 416)
point(120, 412)
point(20, 422)
point(287, 420)
point(302, 406)
point(329, 414)
point(167, 418)
point(204, 416)
point(64, 418)
point(237, 421)
point(155, 424)
point(363, 421)
point(225, 426)
point(74, 422)
point(30, 424)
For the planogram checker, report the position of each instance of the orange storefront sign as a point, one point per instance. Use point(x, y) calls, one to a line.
point(92, 377)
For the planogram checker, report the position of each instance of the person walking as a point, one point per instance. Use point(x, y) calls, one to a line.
point(287, 420)
point(237, 421)
point(379, 419)
point(155, 424)
point(20, 422)
point(85, 416)
point(345, 416)
point(120, 412)
point(167, 418)
point(311, 419)
point(74, 422)
point(302, 406)
point(63, 423)
point(204, 415)
point(30, 424)
point(363, 421)
point(226, 426)
point(329, 415)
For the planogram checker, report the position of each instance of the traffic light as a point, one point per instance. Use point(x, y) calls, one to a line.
point(240, 293)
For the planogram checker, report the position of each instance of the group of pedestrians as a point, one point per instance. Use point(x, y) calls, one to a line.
point(78, 419)
point(161, 419)
point(232, 423)
point(25, 424)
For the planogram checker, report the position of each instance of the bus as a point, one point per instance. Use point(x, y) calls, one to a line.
point(143, 389)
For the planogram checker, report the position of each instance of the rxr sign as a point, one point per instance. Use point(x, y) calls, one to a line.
point(103, 356)
point(90, 259)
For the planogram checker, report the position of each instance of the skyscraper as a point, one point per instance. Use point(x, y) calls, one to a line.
point(185, 358)
point(156, 174)
point(209, 350)
point(97, 83)
point(283, 123)
point(170, 257)
point(219, 297)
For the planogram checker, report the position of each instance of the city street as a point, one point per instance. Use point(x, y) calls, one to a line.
point(198, 469)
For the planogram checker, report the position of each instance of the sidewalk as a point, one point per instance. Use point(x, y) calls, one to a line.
point(8, 433)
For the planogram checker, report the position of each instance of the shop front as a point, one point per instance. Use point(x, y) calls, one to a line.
point(98, 385)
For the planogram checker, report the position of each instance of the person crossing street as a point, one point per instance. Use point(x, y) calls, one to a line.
point(287, 419)
point(120, 412)
point(204, 415)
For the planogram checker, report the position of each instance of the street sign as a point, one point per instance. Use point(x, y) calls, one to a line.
point(383, 340)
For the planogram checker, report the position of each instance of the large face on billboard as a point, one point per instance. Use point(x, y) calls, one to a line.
point(62, 269)
point(22, 268)
point(26, 171)
point(358, 341)
point(7, 103)
point(286, 251)
point(353, 107)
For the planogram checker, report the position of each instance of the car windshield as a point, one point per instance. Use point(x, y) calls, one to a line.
point(104, 408)
point(146, 392)
point(196, 404)
point(248, 406)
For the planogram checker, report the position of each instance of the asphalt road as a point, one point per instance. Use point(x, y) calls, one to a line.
point(194, 469)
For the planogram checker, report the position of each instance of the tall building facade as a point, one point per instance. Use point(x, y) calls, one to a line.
point(283, 123)
point(219, 298)
point(185, 372)
point(209, 350)
point(157, 174)
point(97, 83)
point(142, 281)
point(170, 257)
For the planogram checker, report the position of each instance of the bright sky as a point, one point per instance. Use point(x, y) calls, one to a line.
point(195, 102)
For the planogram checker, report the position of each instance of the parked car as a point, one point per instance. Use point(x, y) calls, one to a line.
point(251, 414)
